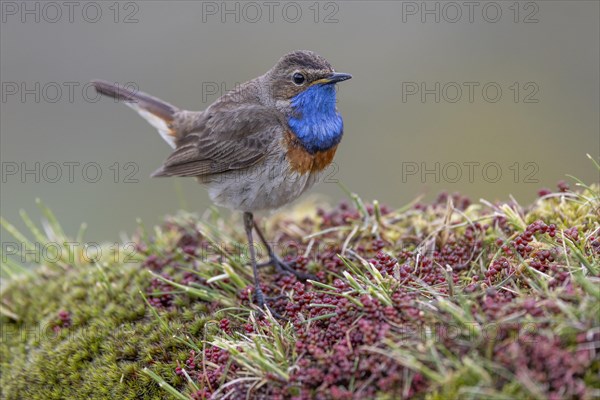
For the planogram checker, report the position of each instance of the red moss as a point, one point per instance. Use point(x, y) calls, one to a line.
point(333, 358)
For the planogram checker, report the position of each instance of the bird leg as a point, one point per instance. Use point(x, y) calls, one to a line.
point(259, 296)
point(277, 262)
point(258, 293)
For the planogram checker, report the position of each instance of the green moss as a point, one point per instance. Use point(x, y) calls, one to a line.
point(112, 338)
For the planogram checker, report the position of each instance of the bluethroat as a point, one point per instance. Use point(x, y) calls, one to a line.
point(259, 146)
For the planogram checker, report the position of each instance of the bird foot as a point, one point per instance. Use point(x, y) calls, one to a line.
point(260, 300)
point(282, 266)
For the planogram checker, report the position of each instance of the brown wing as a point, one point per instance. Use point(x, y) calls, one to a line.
point(224, 139)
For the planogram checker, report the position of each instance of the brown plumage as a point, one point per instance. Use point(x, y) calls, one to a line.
point(243, 146)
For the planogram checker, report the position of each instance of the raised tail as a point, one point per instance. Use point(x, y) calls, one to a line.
point(158, 113)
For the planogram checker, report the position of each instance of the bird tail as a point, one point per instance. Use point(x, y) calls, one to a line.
point(158, 113)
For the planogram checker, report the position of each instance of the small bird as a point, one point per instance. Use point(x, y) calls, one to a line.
point(259, 146)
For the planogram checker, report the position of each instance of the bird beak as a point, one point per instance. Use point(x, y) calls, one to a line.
point(334, 78)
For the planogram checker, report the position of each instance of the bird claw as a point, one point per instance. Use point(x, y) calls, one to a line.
point(262, 305)
point(275, 298)
point(261, 312)
point(282, 266)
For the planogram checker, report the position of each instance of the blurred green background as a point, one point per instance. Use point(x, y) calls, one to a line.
point(543, 56)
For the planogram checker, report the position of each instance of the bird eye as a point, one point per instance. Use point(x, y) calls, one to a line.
point(298, 78)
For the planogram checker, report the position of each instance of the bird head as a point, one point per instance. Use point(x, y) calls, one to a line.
point(303, 70)
point(302, 84)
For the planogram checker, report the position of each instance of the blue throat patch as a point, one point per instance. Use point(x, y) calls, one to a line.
point(316, 123)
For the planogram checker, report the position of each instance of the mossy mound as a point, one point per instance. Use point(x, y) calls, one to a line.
point(440, 300)
point(100, 345)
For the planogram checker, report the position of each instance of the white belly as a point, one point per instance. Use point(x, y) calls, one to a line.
point(266, 186)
